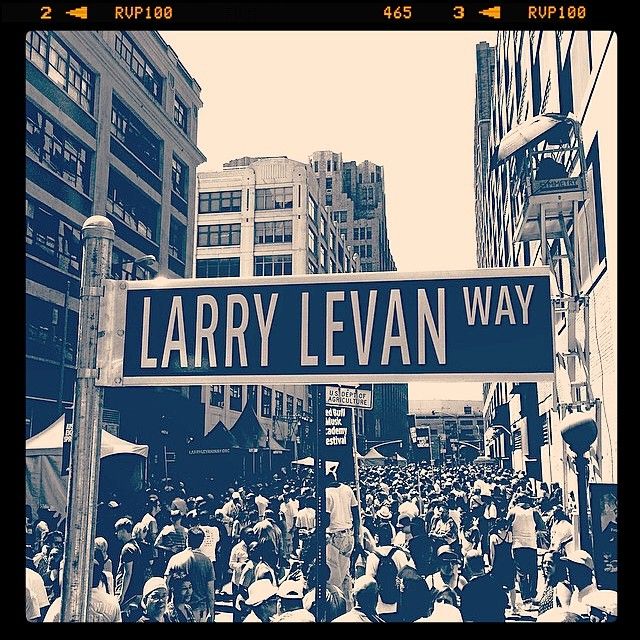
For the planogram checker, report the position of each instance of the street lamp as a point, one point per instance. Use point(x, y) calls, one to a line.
point(579, 431)
point(144, 261)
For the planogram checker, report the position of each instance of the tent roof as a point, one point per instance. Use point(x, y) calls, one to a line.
point(274, 445)
point(373, 454)
point(219, 438)
point(399, 457)
point(248, 431)
point(49, 442)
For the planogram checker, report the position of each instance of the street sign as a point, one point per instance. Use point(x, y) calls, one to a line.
point(349, 397)
point(486, 324)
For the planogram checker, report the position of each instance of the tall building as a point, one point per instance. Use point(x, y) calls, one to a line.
point(446, 431)
point(563, 72)
point(355, 196)
point(111, 129)
point(263, 217)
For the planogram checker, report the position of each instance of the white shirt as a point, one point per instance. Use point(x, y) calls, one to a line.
point(523, 528)
point(35, 584)
point(340, 500)
point(210, 543)
point(409, 509)
point(103, 607)
point(373, 562)
point(262, 503)
point(576, 605)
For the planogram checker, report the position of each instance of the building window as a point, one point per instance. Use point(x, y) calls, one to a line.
point(332, 264)
point(359, 178)
point(328, 199)
point(328, 165)
point(45, 331)
point(332, 241)
point(64, 68)
point(356, 233)
point(378, 174)
point(273, 232)
point(252, 397)
point(129, 130)
point(220, 202)
point(329, 183)
point(179, 177)
point(312, 241)
point(323, 257)
point(132, 206)
point(279, 404)
point(265, 405)
point(177, 239)
point(141, 67)
point(343, 233)
point(323, 226)
point(180, 114)
point(312, 267)
point(315, 166)
point(312, 210)
point(52, 239)
point(274, 198)
point(299, 407)
point(346, 181)
point(56, 149)
point(289, 405)
point(123, 267)
point(272, 265)
point(235, 397)
point(216, 395)
point(218, 235)
point(218, 268)
point(340, 216)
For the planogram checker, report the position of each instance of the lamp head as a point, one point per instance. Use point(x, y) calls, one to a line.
point(579, 431)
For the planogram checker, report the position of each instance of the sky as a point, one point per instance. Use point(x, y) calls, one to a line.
point(404, 100)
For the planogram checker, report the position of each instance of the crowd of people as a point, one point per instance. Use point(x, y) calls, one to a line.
point(410, 544)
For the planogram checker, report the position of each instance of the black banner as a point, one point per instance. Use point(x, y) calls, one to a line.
point(338, 442)
point(67, 437)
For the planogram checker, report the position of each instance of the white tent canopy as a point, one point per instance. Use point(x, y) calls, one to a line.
point(44, 485)
point(49, 442)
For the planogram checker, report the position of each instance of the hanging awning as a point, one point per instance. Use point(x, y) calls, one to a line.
point(218, 440)
point(533, 131)
point(247, 431)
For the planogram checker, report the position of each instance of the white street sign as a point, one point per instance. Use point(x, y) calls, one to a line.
point(349, 397)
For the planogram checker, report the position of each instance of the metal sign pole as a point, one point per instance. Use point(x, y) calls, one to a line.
point(321, 483)
point(97, 236)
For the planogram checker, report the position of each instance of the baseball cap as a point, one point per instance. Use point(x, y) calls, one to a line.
point(604, 599)
point(290, 589)
point(445, 551)
point(259, 591)
point(579, 557)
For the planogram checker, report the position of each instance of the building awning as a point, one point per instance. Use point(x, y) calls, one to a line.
point(531, 132)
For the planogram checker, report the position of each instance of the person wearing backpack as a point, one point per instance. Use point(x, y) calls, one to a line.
point(383, 564)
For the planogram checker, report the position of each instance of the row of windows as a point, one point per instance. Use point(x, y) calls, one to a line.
point(75, 78)
point(138, 63)
point(271, 232)
point(274, 198)
point(217, 395)
point(220, 202)
point(364, 250)
point(58, 150)
point(362, 233)
point(329, 163)
point(340, 216)
point(230, 267)
point(65, 69)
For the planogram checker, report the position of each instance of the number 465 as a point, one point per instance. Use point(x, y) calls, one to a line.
point(398, 13)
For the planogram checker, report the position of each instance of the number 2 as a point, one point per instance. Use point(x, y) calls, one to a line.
point(46, 13)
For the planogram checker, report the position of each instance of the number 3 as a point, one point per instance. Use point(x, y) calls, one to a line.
point(458, 13)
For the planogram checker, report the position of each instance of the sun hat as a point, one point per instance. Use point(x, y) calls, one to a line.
point(259, 591)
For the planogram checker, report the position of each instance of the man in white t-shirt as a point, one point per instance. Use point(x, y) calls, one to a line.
point(343, 531)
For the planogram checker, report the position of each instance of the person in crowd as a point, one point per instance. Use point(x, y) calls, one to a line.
point(525, 521)
point(290, 607)
point(402, 538)
point(444, 530)
point(288, 511)
point(342, 531)
point(556, 592)
point(102, 555)
point(581, 580)
point(335, 602)
point(149, 521)
point(603, 605)
point(180, 592)
point(154, 600)
point(103, 607)
point(130, 575)
point(199, 570)
point(365, 595)
point(304, 529)
point(448, 574)
point(561, 538)
point(262, 598)
point(223, 548)
point(482, 599)
point(501, 562)
point(416, 599)
point(470, 536)
point(139, 533)
point(48, 562)
point(445, 608)
point(238, 558)
point(172, 538)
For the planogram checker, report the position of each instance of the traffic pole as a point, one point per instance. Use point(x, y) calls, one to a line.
point(321, 484)
point(97, 238)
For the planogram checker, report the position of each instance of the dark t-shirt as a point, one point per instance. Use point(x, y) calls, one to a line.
point(131, 553)
point(483, 600)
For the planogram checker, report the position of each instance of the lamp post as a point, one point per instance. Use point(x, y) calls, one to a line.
point(142, 261)
point(579, 431)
